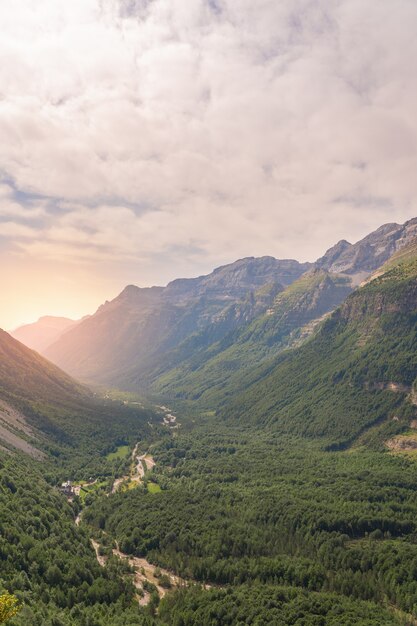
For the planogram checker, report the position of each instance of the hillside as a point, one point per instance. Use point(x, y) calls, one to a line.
point(357, 371)
point(44, 411)
point(26, 375)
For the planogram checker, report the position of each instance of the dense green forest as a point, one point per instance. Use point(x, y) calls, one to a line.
point(49, 563)
point(239, 508)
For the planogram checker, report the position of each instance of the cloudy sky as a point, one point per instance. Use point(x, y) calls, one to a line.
point(141, 140)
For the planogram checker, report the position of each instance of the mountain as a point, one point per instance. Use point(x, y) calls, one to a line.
point(41, 334)
point(151, 338)
point(203, 373)
point(133, 332)
point(359, 371)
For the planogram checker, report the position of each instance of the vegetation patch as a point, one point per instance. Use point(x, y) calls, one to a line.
point(153, 487)
point(120, 453)
point(403, 444)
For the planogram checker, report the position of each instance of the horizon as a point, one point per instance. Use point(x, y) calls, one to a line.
point(142, 141)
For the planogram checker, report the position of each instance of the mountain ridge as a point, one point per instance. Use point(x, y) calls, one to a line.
point(142, 329)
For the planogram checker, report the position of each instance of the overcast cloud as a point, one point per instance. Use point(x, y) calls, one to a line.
point(141, 140)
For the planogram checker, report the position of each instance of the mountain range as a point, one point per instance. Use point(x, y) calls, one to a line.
point(158, 338)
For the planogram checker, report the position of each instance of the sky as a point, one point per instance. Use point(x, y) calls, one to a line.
point(143, 140)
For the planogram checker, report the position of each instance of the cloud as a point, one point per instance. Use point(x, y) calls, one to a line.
point(173, 135)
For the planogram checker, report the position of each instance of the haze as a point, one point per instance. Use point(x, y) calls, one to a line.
point(144, 140)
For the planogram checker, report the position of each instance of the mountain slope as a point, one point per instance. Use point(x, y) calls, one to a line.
point(208, 372)
point(45, 411)
point(358, 371)
point(29, 376)
point(140, 325)
point(42, 333)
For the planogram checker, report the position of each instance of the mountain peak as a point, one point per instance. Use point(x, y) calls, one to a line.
point(365, 256)
point(333, 253)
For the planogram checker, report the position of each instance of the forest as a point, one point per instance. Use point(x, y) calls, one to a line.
point(240, 509)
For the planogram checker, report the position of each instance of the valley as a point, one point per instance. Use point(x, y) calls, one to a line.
point(147, 578)
point(266, 474)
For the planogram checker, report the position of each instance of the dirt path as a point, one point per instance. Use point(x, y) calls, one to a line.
point(140, 465)
point(407, 617)
point(100, 559)
point(144, 571)
point(145, 463)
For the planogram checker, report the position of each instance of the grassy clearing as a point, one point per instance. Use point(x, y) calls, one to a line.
point(120, 453)
point(153, 487)
point(85, 491)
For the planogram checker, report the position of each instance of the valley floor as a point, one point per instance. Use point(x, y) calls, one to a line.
point(235, 508)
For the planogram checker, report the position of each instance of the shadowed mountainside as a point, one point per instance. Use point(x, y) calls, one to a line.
point(42, 409)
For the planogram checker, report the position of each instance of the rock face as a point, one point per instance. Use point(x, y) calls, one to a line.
point(360, 259)
point(239, 278)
